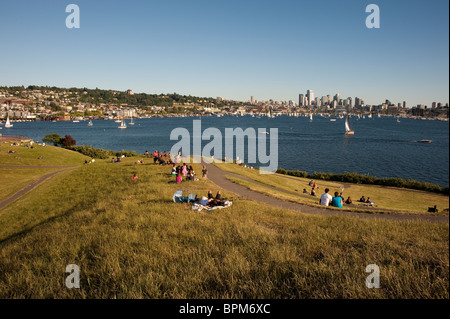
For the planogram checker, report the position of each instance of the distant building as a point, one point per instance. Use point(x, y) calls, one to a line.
point(130, 92)
point(301, 100)
point(310, 95)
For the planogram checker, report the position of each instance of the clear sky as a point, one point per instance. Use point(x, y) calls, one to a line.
point(232, 48)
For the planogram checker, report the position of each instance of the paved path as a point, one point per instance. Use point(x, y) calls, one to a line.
point(31, 185)
point(218, 177)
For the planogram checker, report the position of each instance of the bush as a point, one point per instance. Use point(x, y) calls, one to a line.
point(93, 152)
point(68, 141)
point(101, 153)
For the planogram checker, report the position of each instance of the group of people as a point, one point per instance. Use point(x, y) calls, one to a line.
point(313, 186)
point(338, 199)
point(366, 201)
point(187, 172)
point(211, 200)
point(160, 158)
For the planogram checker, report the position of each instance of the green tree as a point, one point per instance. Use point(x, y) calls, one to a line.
point(54, 139)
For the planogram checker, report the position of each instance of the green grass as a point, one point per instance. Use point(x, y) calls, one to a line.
point(17, 178)
point(131, 241)
point(385, 198)
point(53, 156)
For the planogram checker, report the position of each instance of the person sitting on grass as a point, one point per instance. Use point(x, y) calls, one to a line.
point(348, 201)
point(218, 195)
point(326, 198)
point(179, 179)
point(134, 177)
point(305, 191)
point(368, 201)
point(362, 199)
point(313, 192)
point(433, 209)
point(210, 195)
point(336, 201)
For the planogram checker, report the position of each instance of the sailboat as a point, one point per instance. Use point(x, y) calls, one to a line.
point(310, 117)
point(131, 122)
point(123, 125)
point(8, 123)
point(90, 123)
point(348, 131)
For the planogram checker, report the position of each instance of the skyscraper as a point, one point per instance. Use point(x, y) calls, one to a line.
point(310, 95)
point(301, 100)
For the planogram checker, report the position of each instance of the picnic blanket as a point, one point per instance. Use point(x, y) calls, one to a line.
point(179, 198)
point(199, 207)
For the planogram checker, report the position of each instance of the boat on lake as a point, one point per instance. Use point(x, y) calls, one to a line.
point(8, 123)
point(348, 130)
point(123, 125)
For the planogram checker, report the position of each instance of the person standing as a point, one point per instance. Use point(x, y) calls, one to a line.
point(204, 173)
point(326, 198)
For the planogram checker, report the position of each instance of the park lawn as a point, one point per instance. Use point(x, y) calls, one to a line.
point(385, 198)
point(131, 241)
point(16, 178)
point(53, 156)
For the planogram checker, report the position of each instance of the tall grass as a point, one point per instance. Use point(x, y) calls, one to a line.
point(131, 241)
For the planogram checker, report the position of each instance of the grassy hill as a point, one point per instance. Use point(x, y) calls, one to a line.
point(387, 199)
point(131, 241)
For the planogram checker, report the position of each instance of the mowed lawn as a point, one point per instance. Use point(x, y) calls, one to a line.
point(131, 241)
point(386, 198)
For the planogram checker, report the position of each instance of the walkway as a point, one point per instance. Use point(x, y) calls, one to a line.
point(218, 177)
point(31, 185)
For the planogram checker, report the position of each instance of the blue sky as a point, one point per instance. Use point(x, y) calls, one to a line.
point(232, 49)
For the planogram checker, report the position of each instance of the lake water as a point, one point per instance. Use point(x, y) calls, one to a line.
point(381, 147)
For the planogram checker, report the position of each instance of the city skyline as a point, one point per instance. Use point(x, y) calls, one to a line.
point(233, 50)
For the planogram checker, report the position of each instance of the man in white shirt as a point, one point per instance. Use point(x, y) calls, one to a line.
point(326, 198)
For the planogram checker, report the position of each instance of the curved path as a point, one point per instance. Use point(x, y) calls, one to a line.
point(218, 177)
point(31, 185)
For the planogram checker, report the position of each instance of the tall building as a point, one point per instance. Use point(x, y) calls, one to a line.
point(404, 104)
point(317, 102)
point(301, 100)
point(252, 100)
point(310, 95)
point(337, 97)
point(350, 102)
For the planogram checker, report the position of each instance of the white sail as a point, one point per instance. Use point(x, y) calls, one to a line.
point(122, 124)
point(8, 123)
point(347, 126)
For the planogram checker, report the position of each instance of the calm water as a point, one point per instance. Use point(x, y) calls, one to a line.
point(381, 147)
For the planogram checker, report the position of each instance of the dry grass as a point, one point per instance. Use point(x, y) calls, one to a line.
point(131, 241)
